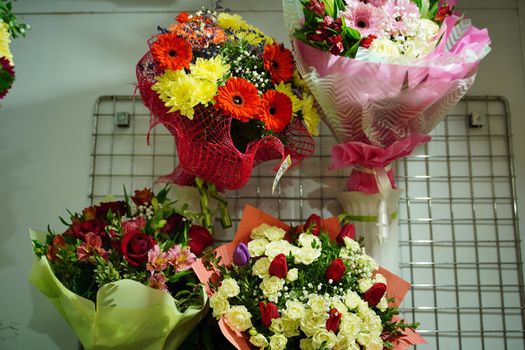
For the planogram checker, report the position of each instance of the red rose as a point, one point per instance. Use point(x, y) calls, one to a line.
point(335, 270)
point(374, 294)
point(348, 230)
point(268, 313)
point(79, 229)
point(142, 197)
point(135, 247)
point(279, 266)
point(117, 208)
point(89, 213)
point(366, 42)
point(173, 223)
point(334, 320)
point(313, 224)
point(200, 239)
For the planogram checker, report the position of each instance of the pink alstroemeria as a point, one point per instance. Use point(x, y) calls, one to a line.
point(157, 260)
point(132, 225)
point(92, 245)
point(157, 281)
point(181, 258)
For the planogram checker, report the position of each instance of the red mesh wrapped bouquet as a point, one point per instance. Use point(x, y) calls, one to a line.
point(230, 96)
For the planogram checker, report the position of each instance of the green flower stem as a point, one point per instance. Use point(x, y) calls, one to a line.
point(204, 202)
point(226, 220)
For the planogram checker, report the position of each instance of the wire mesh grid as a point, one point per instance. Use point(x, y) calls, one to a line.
point(459, 240)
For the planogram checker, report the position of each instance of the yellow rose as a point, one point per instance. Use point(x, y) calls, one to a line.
point(292, 275)
point(257, 247)
point(270, 286)
point(278, 342)
point(259, 341)
point(306, 255)
point(294, 309)
point(238, 318)
point(326, 338)
point(261, 266)
point(219, 304)
point(384, 47)
point(229, 288)
point(274, 233)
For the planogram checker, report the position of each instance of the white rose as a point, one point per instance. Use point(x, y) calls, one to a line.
point(257, 247)
point(375, 345)
point(294, 309)
point(229, 288)
point(290, 327)
point(277, 325)
point(427, 30)
point(270, 286)
point(278, 342)
point(292, 275)
point(365, 284)
point(274, 233)
point(364, 339)
point(379, 278)
point(238, 318)
point(350, 325)
point(279, 247)
point(307, 239)
point(352, 300)
point(384, 47)
point(345, 343)
point(259, 341)
point(259, 231)
point(317, 304)
point(261, 266)
point(323, 336)
point(307, 344)
point(383, 304)
point(306, 255)
point(219, 304)
point(311, 322)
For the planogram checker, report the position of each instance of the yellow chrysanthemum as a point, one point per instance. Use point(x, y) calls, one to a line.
point(177, 90)
point(231, 21)
point(310, 114)
point(298, 80)
point(205, 91)
point(287, 90)
point(4, 43)
point(249, 37)
point(210, 70)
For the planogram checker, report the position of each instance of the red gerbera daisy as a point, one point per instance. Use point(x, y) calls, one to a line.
point(172, 52)
point(183, 17)
point(239, 98)
point(278, 61)
point(276, 110)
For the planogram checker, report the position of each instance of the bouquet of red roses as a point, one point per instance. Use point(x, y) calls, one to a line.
point(311, 287)
point(120, 273)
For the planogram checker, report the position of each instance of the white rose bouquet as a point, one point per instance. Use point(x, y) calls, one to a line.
point(311, 287)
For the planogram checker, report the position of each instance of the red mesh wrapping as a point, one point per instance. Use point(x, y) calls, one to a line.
point(204, 144)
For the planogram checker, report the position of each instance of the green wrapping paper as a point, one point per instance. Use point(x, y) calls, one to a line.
point(127, 314)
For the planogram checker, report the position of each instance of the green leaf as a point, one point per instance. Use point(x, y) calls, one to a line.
point(330, 7)
point(178, 276)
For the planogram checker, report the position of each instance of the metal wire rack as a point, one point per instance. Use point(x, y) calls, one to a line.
point(459, 239)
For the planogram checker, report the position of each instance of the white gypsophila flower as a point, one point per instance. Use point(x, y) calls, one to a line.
point(219, 305)
point(261, 266)
point(324, 338)
point(257, 247)
point(229, 288)
point(238, 318)
point(379, 278)
point(278, 342)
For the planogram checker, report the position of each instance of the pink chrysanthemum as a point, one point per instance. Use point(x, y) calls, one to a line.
point(365, 18)
point(402, 17)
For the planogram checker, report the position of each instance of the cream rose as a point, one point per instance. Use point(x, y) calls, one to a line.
point(238, 318)
point(352, 300)
point(219, 304)
point(323, 336)
point(345, 343)
point(259, 231)
point(350, 325)
point(383, 304)
point(317, 304)
point(274, 233)
point(277, 325)
point(311, 322)
point(306, 255)
point(278, 342)
point(294, 309)
point(290, 327)
point(259, 341)
point(384, 47)
point(292, 275)
point(306, 344)
point(257, 247)
point(270, 286)
point(261, 266)
point(307, 239)
point(229, 288)
point(279, 247)
point(364, 339)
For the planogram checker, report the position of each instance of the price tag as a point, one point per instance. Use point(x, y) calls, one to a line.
point(287, 162)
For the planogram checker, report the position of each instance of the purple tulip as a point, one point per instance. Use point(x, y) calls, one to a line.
point(241, 255)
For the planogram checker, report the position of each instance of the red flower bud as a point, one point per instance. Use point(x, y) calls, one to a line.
point(313, 224)
point(316, 7)
point(366, 42)
point(279, 266)
point(444, 11)
point(200, 239)
point(374, 294)
point(268, 313)
point(335, 270)
point(334, 320)
point(348, 230)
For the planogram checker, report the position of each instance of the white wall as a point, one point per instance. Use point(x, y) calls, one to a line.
point(79, 50)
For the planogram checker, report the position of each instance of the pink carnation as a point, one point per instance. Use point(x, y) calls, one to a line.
point(365, 18)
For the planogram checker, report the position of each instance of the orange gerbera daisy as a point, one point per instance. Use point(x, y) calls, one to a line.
point(278, 61)
point(276, 110)
point(239, 98)
point(183, 17)
point(172, 52)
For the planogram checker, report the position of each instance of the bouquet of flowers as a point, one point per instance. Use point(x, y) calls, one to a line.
point(230, 95)
point(385, 72)
point(311, 287)
point(120, 273)
point(9, 27)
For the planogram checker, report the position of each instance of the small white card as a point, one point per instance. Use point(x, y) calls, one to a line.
point(287, 162)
